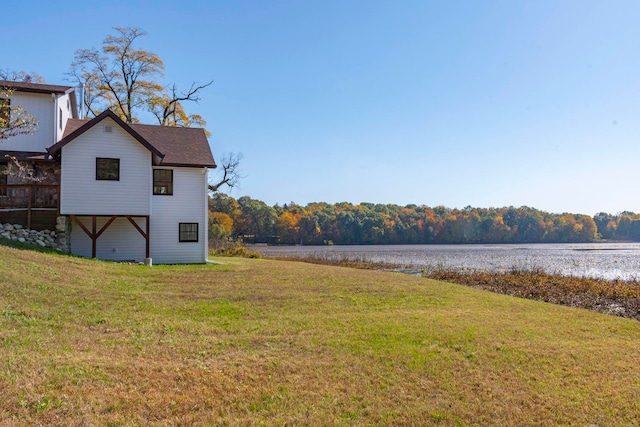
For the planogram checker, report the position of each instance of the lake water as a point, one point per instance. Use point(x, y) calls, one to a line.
point(602, 260)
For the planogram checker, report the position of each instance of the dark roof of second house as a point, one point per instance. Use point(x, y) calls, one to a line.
point(36, 87)
point(173, 146)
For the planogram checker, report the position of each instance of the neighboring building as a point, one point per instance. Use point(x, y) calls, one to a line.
point(128, 191)
point(22, 200)
point(51, 105)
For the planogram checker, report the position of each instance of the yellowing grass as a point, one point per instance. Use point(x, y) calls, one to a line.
point(283, 343)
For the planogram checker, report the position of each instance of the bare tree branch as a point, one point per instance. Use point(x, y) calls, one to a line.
point(175, 99)
point(23, 172)
point(231, 174)
point(20, 76)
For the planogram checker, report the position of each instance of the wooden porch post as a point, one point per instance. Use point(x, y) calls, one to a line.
point(147, 237)
point(94, 238)
point(29, 206)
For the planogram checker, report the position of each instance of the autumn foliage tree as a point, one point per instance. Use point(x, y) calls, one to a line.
point(287, 228)
point(125, 79)
point(220, 225)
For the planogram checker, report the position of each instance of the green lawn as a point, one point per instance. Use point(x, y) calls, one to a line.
point(267, 342)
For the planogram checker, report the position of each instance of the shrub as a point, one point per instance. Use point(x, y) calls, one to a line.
point(236, 250)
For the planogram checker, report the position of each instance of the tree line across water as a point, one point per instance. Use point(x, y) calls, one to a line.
point(321, 223)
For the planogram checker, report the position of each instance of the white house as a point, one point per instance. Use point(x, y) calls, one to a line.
point(131, 191)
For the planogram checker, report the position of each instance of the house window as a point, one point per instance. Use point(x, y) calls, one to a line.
point(163, 182)
point(107, 169)
point(60, 117)
point(5, 112)
point(188, 232)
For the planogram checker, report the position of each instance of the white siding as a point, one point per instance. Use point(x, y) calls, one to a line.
point(41, 107)
point(64, 106)
point(187, 204)
point(120, 242)
point(81, 193)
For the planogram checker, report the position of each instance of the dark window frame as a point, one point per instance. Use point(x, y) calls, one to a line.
point(100, 171)
point(159, 184)
point(188, 235)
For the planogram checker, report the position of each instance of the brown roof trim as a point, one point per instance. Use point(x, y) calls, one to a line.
point(190, 165)
point(36, 87)
point(56, 148)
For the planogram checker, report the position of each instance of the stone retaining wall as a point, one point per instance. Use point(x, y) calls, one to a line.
point(45, 238)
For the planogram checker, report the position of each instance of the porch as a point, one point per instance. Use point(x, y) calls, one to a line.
point(118, 244)
point(34, 206)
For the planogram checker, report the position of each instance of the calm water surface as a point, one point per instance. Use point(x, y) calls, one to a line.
point(605, 260)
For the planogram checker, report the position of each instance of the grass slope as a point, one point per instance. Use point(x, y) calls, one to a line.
point(283, 343)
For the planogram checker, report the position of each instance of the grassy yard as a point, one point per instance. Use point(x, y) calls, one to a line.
point(269, 342)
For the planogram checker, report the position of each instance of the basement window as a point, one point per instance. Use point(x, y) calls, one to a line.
point(188, 232)
point(163, 182)
point(107, 169)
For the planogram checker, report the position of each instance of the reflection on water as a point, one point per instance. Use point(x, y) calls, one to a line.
point(602, 260)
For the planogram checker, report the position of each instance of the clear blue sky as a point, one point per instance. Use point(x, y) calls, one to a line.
point(454, 103)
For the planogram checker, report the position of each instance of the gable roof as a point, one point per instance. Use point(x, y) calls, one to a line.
point(36, 87)
point(172, 146)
